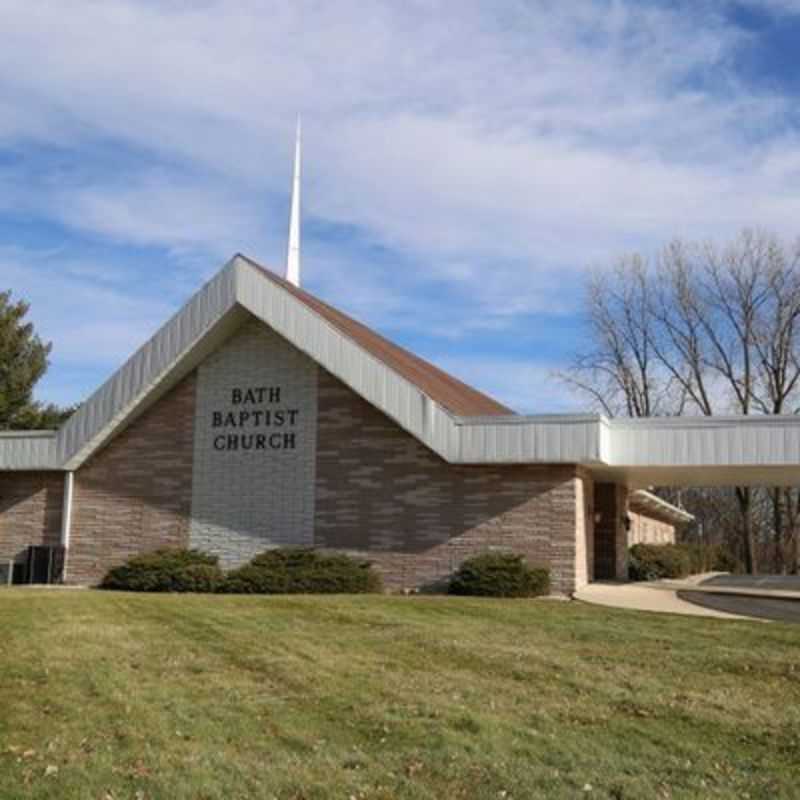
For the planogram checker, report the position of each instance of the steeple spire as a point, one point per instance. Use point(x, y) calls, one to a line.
point(293, 254)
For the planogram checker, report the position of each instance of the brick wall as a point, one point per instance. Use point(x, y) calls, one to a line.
point(378, 492)
point(650, 530)
point(381, 493)
point(30, 511)
point(135, 494)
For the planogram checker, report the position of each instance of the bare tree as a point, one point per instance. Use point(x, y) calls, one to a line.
point(619, 372)
point(706, 330)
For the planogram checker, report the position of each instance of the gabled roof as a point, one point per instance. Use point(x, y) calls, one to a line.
point(449, 392)
point(454, 421)
point(405, 387)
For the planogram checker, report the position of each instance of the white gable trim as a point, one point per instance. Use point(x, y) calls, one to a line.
point(145, 372)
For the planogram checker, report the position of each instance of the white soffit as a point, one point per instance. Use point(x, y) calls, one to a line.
point(645, 502)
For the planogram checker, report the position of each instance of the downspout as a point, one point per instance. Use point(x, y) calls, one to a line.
point(66, 519)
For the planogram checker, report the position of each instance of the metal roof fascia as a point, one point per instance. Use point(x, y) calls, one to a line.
point(120, 396)
point(28, 450)
point(745, 441)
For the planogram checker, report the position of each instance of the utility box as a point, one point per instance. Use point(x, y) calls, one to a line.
point(45, 564)
point(13, 572)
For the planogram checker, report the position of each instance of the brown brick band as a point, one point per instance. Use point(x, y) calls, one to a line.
point(135, 494)
point(381, 493)
point(30, 511)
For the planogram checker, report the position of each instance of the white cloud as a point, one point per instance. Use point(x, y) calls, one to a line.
point(91, 321)
point(494, 149)
point(776, 6)
point(547, 132)
point(527, 386)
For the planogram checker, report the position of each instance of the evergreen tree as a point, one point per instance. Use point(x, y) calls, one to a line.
point(23, 361)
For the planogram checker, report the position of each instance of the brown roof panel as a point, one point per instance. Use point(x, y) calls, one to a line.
point(449, 392)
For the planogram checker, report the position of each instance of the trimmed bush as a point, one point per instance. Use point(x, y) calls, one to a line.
point(198, 578)
point(252, 580)
point(166, 571)
point(294, 570)
point(499, 575)
point(651, 562)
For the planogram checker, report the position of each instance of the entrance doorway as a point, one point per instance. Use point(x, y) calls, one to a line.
point(607, 532)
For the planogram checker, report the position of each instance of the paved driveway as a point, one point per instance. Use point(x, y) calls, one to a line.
point(759, 583)
point(774, 608)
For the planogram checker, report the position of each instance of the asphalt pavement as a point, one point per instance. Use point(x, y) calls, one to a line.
point(772, 608)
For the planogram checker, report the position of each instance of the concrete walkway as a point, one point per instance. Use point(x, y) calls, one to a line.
point(654, 596)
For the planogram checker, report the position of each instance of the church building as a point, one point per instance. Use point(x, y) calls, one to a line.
point(259, 416)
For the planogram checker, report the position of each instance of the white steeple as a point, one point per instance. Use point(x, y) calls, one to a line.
point(293, 254)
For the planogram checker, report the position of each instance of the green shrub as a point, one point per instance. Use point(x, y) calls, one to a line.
point(250, 579)
point(499, 575)
point(650, 562)
point(706, 557)
point(166, 571)
point(725, 561)
point(294, 570)
point(701, 556)
point(198, 578)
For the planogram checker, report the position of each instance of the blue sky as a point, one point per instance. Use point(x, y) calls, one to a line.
point(465, 162)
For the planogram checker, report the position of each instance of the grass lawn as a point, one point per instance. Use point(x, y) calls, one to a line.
point(106, 695)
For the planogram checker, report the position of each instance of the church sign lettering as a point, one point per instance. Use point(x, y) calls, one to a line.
point(255, 420)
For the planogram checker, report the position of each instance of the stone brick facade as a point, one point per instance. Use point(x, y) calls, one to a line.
point(30, 511)
point(135, 494)
point(247, 494)
point(382, 494)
